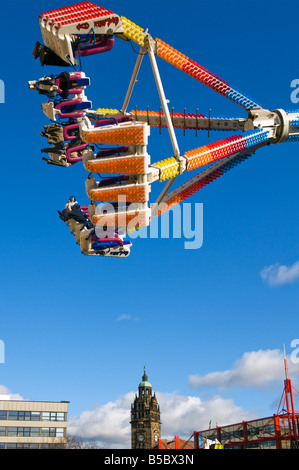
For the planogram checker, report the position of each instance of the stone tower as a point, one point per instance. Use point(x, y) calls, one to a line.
point(145, 417)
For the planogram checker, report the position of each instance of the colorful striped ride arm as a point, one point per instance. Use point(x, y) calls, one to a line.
point(182, 62)
point(200, 181)
point(170, 167)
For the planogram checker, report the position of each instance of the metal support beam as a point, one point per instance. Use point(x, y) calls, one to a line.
point(164, 102)
point(167, 116)
point(133, 80)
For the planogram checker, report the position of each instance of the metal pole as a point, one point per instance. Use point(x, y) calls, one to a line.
point(195, 439)
point(289, 390)
point(133, 80)
point(164, 103)
point(277, 432)
point(167, 118)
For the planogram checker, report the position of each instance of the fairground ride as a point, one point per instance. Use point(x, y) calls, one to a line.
point(113, 142)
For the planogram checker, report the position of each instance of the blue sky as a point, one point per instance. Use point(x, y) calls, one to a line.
point(82, 328)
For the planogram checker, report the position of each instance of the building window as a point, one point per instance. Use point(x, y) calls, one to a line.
point(52, 446)
point(12, 431)
point(253, 445)
point(48, 432)
point(53, 416)
point(27, 431)
point(52, 432)
point(45, 416)
point(32, 416)
point(11, 445)
point(24, 415)
point(59, 432)
point(20, 431)
point(35, 416)
point(14, 445)
point(266, 444)
point(23, 431)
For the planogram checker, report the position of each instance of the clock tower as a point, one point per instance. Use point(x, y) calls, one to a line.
point(145, 417)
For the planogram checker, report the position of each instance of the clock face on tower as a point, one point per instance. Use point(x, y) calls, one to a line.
point(140, 437)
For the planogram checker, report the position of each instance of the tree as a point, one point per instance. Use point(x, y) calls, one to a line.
point(75, 442)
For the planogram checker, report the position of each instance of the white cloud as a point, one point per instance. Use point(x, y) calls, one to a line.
point(5, 393)
point(124, 317)
point(182, 415)
point(109, 424)
point(257, 369)
point(276, 275)
point(127, 317)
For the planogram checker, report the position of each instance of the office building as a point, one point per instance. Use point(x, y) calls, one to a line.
point(32, 424)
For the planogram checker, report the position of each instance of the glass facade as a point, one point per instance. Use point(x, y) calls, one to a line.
point(33, 425)
point(52, 416)
point(32, 415)
point(25, 445)
point(29, 431)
